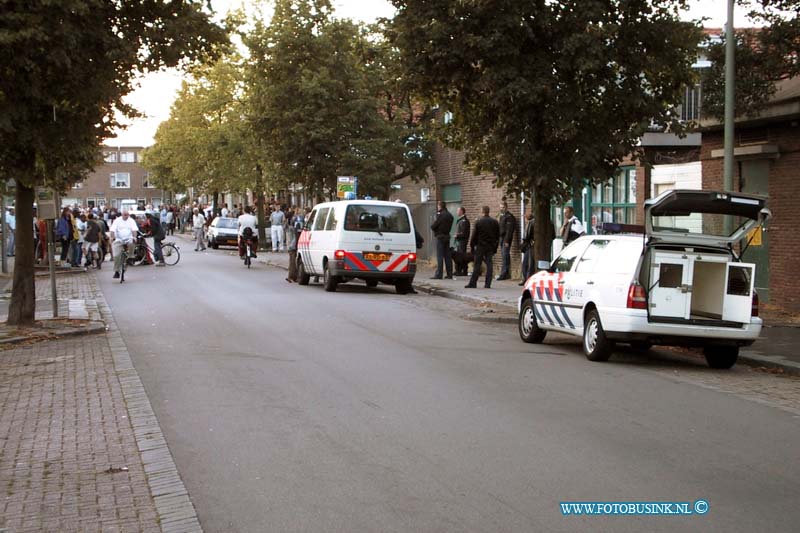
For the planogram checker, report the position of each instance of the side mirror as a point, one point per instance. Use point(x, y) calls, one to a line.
point(543, 265)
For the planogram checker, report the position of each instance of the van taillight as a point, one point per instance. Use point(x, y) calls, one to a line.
point(338, 254)
point(754, 306)
point(636, 297)
point(412, 258)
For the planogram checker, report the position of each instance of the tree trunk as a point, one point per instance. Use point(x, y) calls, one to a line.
point(543, 228)
point(260, 201)
point(22, 307)
point(215, 204)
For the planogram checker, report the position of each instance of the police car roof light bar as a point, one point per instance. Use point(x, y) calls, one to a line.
point(610, 228)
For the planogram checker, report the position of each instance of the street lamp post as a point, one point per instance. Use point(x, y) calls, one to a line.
point(730, 112)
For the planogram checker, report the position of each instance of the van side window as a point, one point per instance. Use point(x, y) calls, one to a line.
point(319, 224)
point(310, 221)
point(569, 255)
point(331, 224)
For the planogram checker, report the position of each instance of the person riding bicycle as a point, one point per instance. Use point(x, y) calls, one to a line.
point(248, 221)
point(157, 231)
point(123, 232)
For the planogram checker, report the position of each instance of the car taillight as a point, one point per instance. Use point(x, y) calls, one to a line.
point(338, 254)
point(754, 306)
point(636, 297)
point(412, 258)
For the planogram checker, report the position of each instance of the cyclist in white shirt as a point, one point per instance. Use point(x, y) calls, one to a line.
point(123, 233)
point(248, 220)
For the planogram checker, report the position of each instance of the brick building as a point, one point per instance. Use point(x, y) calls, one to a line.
point(120, 177)
point(767, 155)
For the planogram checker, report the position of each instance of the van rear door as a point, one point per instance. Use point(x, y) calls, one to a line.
point(377, 237)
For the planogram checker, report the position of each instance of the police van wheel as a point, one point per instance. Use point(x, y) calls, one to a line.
point(302, 277)
point(403, 286)
point(529, 330)
point(372, 283)
point(595, 344)
point(329, 281)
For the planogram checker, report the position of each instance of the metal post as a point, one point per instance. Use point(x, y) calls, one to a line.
point(51, 253)
point(730, 111)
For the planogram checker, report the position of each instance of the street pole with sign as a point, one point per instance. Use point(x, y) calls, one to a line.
point(47, 208)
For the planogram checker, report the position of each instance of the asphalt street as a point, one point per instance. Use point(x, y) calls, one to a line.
point(291, 409)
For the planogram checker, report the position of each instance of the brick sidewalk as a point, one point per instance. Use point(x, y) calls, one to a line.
point(80, 448)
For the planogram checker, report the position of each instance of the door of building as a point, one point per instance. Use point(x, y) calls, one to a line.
point(755, 180)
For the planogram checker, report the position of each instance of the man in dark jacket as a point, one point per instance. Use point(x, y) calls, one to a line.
point(484, 242)
point(508, 226)
point(462, 238)
point(526, 247)
point(441, 231)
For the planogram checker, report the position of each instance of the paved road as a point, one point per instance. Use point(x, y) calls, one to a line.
point(291, 409)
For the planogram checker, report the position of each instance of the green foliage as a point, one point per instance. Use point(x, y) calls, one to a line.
point(763, 56)
point(205, 143)
point(321, 103)
point(66, 66)
point(544, 94)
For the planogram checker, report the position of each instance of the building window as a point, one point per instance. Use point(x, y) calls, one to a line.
point(120, 180)
point(146, 182)
point(615, 200)
point(690, 108)
point(78, 185)
point(127, 157)
point(110, 157)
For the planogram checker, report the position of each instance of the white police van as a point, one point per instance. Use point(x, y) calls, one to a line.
point(679, 282)
point(366, 239)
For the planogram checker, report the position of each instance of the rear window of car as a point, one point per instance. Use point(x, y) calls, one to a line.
point(382, 218)
point(228, 223)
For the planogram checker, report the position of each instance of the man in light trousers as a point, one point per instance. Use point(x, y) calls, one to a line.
point(198, 224)
point(277, 220)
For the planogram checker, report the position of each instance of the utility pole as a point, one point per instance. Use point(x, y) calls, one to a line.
point(730, 111)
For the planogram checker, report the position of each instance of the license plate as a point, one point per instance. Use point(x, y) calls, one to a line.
point(373, 256)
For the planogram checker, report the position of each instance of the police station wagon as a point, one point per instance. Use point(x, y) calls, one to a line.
point(679, 282)
point(358, 239)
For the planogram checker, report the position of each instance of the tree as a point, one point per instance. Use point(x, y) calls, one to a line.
point(65, 67)
point(202, 145)
point(764, 56)
point(545, 94)
point(317, 103)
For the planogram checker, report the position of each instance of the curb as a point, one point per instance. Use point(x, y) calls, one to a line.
point(176, 513)
point(91, 329)
point(445, 293)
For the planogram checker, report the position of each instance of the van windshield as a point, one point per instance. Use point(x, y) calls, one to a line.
point(380, 218)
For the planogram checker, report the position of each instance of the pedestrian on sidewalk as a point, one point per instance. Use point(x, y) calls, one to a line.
point(526, 247)
point(92, 242)
point(277, 220)
point(572, 228)
point(157, 232)
point(441, 231)
point(508, 227)
point(64, 232)
point(484, 242)
point(11, 226)
point(462, 240)
point(292, 232)
point(198, 224)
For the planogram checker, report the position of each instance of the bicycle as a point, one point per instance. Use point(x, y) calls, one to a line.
point(169, 251)
point(248, 252)
point(123, 262)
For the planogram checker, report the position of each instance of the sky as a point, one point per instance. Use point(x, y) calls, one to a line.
point(157, 91)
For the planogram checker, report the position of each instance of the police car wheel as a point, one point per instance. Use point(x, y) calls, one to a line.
point(722, 357)
point(529, 330)
point(302, 277)
point(329, 281)
point(595, 344)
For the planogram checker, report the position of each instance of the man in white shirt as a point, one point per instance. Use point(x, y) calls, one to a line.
point(248, 220)
point(277, 220)
point(572, 228)
point(11, 225)
point(123, 232)
point(225, 211)
point(198, 225)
